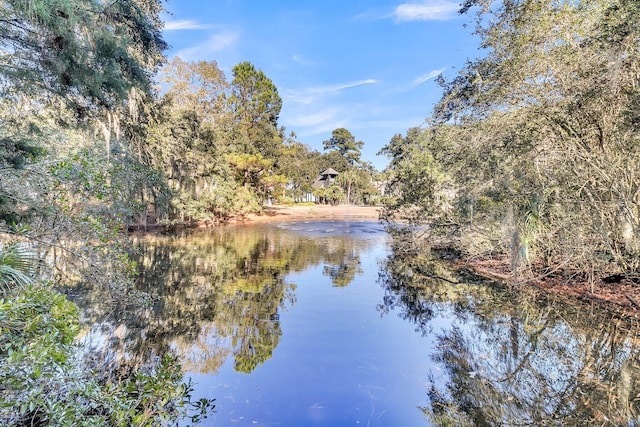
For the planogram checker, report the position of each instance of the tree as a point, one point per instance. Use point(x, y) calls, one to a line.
point(416, 181)
point(187, 139)
point(88, 52)
point(256, 106)
point(64, 64)
point(249, 168)
point(329, 195)
point(578, 130)
point(352, 178)
point(344, 143)
point(333, 159)
point(301, 165)
point(199, 87)
point(539, 134)
point(44, 383)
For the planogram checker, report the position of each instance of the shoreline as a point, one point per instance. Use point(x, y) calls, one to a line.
point(622, 298)
point(310, 212)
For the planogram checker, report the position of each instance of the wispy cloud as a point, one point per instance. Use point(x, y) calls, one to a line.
point(215, 43)
point(430, 10)
point(184, 25)
point(350, 85)
point(322, 128)
point(430, 75)
point(318, 118)
point(311, 94)
point(299, 59)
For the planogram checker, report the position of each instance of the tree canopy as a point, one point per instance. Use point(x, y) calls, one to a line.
point(538, 137)
point(71, 75)
point(343, 142)
point(85, 51)
point(256, 107)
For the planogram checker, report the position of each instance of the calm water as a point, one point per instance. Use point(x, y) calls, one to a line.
point(323, 324)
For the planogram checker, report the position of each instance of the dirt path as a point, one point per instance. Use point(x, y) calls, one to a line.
point(285, 213)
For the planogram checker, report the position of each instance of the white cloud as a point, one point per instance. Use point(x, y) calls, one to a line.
point(302, 60)
point(324, 128)
point(430, 10)
point(311, 94)
point(184, 25)
point(215, 43)
point(350, 85)
point(430, 75)
point(314, 119)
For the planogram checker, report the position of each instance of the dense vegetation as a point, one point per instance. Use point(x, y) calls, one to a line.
point(533, 150)
point(221, 152)
point(87, 147)
point(97, 133)
point(69, 69)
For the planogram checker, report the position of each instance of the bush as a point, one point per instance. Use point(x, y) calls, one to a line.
point(43, 382)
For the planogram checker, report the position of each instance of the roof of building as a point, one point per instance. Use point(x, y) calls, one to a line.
point(329, 171)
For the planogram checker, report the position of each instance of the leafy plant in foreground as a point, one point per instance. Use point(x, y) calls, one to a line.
point(44, 382)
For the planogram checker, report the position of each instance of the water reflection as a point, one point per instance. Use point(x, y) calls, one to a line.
point(420, 345)
point(218, 294)
point(507, 358)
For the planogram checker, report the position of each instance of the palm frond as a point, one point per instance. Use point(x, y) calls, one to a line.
point(17, 265)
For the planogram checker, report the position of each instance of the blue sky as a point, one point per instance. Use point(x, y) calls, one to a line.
point(365, 65)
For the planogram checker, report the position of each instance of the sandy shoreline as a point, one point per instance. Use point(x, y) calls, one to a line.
point(285, 213)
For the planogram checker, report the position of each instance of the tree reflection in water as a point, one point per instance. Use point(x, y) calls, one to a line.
point(512, 358)
point(216, 294)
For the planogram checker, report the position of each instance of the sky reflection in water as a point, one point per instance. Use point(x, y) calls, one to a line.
point(338, 361)
point(319, 324)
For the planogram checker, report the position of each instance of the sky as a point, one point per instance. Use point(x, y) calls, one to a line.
point(365, 65)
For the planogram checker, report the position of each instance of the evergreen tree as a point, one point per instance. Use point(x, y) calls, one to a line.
point(256, 106)
point(345, 144)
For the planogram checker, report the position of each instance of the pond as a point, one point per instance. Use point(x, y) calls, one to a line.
point(324, 324)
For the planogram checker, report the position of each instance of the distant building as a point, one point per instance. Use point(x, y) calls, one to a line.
point(325, 179)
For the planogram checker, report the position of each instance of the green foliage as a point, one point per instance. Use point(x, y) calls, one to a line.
point(154, 397)
point(353, 181)
point(209, 138)
point(80, 49)
point(17, 266)
point(345, 144)
point(249, 167)
point(245, 201)
point(300, 165)
point(70, 65)
point(331, 195)
point(422, 191)
point(44, 383)
point(15, 153)
point(538, 138)
point(38, 327)
point(355, 176)
point(188, 138)
point(255, 105)
point(72, 70)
